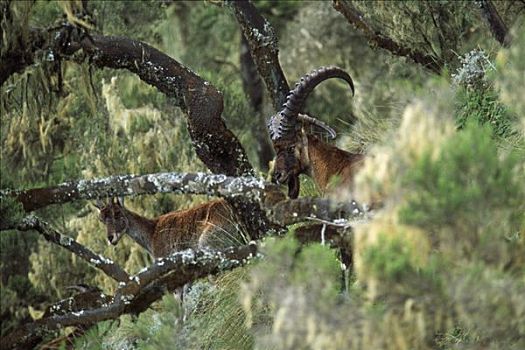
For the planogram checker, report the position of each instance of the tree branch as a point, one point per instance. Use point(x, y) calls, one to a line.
point(214, 143)
point(125, 185)
point(107, 266)
point(377, 39)
point(264, 49)
point(280, 212)
point(292, 211)
point(252, 85)
point(140, 291)
point(492, 18)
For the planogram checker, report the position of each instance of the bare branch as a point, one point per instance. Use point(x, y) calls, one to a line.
point(497, 26)
point(137, 294)
point(107, 266)
point(377, 39)
point(264, 49)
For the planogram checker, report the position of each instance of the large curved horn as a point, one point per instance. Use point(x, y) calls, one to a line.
point(284, 122)
point(306, 118)
point(297, 97)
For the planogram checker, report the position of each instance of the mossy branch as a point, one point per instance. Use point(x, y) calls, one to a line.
point(264, 49)
point(124, 185)
point(298, 210)
point(214, 143)
point(269, 195)
point(378, 39)
point(139, 291)
point(106, 265)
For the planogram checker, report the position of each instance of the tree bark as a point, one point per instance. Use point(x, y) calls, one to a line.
point(106, 265)
point(297, 210)
point(214, 143)
point(264, 49)
point(124, 185)
point(139, 292)
point(252, 85)
point(281, 212)
point(377, 39)
point(497, 26)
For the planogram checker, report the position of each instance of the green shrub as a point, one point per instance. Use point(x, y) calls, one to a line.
point(467, 184)
point(388, 259)
point(484, 107)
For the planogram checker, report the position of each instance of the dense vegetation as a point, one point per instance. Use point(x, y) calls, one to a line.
point(442, 265)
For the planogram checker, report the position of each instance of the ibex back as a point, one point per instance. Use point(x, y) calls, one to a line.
point(211, 224)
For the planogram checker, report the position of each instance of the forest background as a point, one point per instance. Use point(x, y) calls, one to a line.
point(442, 265)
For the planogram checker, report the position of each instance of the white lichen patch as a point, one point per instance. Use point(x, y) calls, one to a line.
point(95, 261)
point(135, 278)
point(474, 66)
point(65, 240)
point(127, 298)
point(166, 182)
point(105, 260)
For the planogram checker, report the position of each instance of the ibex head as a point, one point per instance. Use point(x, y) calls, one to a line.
point(286, 129)
point(113, 215)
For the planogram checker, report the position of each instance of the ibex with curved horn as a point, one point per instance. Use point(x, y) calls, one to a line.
point(211, 224)
point(300, 153)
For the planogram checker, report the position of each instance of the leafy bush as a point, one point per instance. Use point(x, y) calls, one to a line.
point(468, 184)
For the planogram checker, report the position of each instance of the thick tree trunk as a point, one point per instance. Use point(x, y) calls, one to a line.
point(252, 85)
point(264, 49)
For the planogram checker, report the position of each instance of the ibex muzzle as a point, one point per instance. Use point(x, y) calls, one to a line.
point(114, 217)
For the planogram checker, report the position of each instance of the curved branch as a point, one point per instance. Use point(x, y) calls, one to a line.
point(214, 143)
point(106, 265)
point(375, 38)
point(139, 291)
point(264, 49)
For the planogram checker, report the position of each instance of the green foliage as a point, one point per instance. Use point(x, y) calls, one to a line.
point(389, 259)
point(17, 291)
point(461, 193)
point(468, 184)
point(12, 212)
point(216, 318)
point(485, 108)
point(510, 66)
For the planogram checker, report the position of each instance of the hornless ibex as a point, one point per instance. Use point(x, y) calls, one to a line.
point(300, 153)
point(211, 224)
